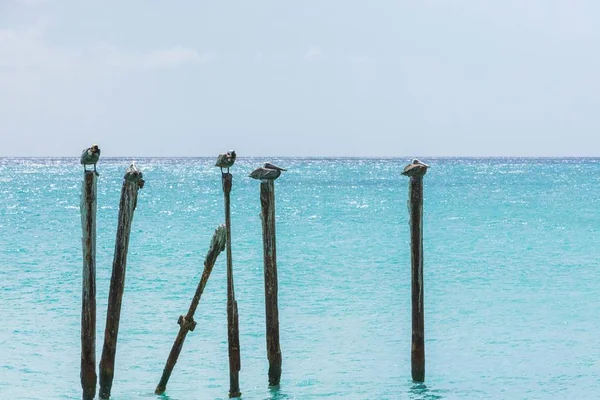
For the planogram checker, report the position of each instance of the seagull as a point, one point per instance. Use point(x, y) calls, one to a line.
point(267, 172)
point(225, 160)
point(416, 168)
point(90, 156)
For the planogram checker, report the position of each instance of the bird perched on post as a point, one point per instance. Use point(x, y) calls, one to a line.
point(267, 172)
point(416, 168)
point(225, 160)
point(133, 174)
point(90, 156)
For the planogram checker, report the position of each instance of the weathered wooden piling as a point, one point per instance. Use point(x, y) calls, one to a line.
point(187, 323)
point(267, 201)
point(88, 299)
point(132, 182)
point(416, 170)
point(233, 332)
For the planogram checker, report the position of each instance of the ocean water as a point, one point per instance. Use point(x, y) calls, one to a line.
point(512, 279)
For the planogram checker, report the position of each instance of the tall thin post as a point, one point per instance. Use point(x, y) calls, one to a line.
point(88, 299)
point(187, 323)
point(267, 201)
point(416, 171)
point(132, 182)
point(233, 331)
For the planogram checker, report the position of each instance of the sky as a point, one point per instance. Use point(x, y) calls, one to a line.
point(300, 78)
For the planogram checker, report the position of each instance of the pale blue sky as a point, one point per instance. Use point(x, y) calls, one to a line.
point(307, 78)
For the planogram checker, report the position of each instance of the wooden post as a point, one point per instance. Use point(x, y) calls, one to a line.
point(416, 171)
point(132, 182)
point(267, 201)
point(88, 299)
point(187, 323)
point(233, 332)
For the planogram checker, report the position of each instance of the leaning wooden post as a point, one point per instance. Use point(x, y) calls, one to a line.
point(88, 303)
point(187, 323)
point(267, 174)
point(416, 170)
point(132, 182)
point(233, 331)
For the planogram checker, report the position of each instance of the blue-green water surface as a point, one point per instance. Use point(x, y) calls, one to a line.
point(512, 279)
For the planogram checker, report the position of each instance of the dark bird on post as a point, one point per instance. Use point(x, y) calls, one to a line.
point(267, 172)
point(416, 168)
point(225, 160)
point(90, 156)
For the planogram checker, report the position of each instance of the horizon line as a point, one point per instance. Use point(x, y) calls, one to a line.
point(323, 157)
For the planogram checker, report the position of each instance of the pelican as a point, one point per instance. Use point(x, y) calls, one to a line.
point(90, 156)
point(225, 160)
point(267, 172)
point(416, 168)
point(133, 174)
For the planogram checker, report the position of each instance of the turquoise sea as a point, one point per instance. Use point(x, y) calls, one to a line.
point(512, 279)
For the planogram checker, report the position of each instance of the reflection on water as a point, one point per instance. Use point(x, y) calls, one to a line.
point(275, 393)
point(422, 392)
point(163, 397)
